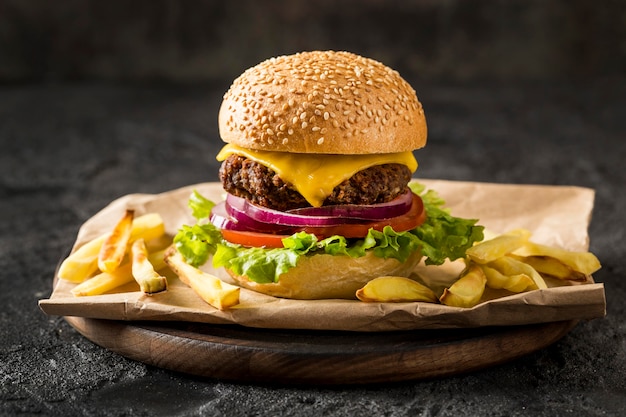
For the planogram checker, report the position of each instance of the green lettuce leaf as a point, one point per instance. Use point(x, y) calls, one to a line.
point(443, 236)
point(440, 237)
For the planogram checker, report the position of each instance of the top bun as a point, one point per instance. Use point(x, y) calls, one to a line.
point(322, 102)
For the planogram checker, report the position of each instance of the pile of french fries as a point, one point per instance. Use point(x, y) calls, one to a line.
point(133, 250)
point(137, 250)
point(510, 261)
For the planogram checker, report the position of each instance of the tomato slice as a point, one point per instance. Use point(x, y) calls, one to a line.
point(413, 218)
point(253, 239)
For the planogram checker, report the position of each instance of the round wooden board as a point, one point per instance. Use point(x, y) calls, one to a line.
point(236, 353)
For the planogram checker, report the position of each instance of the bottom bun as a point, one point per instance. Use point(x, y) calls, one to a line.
point(327, 276)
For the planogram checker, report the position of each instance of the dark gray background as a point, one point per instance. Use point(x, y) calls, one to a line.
point(102, 99)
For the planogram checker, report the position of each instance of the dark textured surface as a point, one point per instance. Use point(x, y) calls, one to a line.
point(68, 150)
point(199, 40)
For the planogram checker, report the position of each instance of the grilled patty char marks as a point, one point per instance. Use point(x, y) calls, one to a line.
point(255, 182)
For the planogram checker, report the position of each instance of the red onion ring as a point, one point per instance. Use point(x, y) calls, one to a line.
point(394, 208)
point(223, 220)
point(242, 210)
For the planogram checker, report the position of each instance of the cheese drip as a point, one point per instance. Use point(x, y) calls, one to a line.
point(316, 175)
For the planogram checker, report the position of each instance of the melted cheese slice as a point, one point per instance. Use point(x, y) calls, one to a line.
point(316, 175)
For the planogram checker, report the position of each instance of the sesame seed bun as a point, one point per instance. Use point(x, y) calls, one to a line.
point(327, 276)
point(322, 102)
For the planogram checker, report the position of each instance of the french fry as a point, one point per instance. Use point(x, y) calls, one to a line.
point(114, 247)
point(467, 290)
point(513, 283)
point(143, 272)
point(395, 289)
point(552, 267)
point(210, 288)
point(511, 267)
point(83, 263)
point(104, 282)
point(583, 262)
point(489, 250)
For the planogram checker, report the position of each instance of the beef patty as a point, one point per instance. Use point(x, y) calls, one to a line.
point(255, 182)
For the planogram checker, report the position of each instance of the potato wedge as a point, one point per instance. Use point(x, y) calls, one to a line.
point(210, 288)
point(467, 290)
point(510, 267)
point(150, 282)
point(513, 283)
point(489, 250)
point(391, 289)
point(552, 267)
point(583, 262)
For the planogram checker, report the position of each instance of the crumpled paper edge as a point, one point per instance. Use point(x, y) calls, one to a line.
point(465, 199)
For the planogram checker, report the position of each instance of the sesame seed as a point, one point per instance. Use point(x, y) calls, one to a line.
point(320, 141)
point(304, 125)
point(326, 115)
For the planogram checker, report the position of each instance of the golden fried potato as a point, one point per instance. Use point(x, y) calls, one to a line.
point(489, 250)
point(115, 245)
point(150, 282)
point(584, 262)
point(210, 288)
point(395, 290)
point(467, 290)
point(83, 263)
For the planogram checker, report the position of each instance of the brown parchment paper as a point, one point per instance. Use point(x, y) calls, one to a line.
point(556, 215)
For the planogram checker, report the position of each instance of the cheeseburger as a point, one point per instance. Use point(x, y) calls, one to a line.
point(317, 172)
